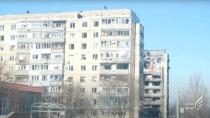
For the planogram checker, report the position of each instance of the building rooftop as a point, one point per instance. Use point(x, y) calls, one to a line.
point(21, 87)
point(65, 15)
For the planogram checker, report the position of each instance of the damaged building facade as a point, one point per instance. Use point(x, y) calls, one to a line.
point(156, 84)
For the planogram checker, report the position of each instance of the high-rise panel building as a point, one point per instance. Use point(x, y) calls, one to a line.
point(35, 44)
point(156, 84)
point(101, 51)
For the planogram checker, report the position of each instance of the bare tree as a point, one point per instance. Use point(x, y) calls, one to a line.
point(6, 94)
point(195, 89)
point(6, 73)
point(115, 95)
point(78, 103)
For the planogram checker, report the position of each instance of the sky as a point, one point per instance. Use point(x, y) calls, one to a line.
point(181, 28)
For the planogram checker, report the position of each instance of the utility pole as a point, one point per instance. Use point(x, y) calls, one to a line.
point(177, 103)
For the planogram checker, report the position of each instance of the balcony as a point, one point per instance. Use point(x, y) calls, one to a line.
point(41, 29)
point(152, 80)
point(47, 61)
point(59, 50)
point(152, 94)
point(41, 40)
point(152, 87)
point(51, 72)
point(151, 72)
point(51, 83)
point(114, 72)
point(155, 102)
point(21, 72)
point(114, 60)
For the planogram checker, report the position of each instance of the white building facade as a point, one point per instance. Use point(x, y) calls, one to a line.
point(156, 84)
point(87, 48)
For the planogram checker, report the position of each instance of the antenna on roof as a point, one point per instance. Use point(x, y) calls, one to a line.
point(105, 7)
point(28, 12)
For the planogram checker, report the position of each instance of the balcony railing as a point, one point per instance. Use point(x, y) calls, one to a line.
point(21, 72)
point(115, 72)
point(153, 79)
point(152, 94)
point(152, 87)
point(111, 60)
point(155, 102)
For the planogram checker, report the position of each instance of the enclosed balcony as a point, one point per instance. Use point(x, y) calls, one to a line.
point(114, 69)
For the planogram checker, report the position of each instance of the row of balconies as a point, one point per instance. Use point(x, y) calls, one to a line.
point(49, 61)
point(31, 40)
point(41, 72)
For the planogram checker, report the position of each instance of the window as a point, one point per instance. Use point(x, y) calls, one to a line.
point(12, 37)
point(94, 78)
point(84, 24)
point(116, 32)
point(93, 112)
point(127, 21)
point(96, 24)
point(35, 78)
point(57, 56)
point(22, 67)
point(83, 57)
point(71, 35)
point(95, 34)
point(83, 46)
point(71, 46)
point(35, 56)
point(83, 68)
point(94, 90)
point(72, 25)
point(55, 35)
point(94, 67)
point(108, 67)
point(56, 77)
point(1, 27)
point(71, 68)
point(1, 38)
point(94, 101)
point(44, 77)
point(122, 66)
point(35, 67)
point(82, 90)
point(12, 47)
point(95, 56)
point(13, 27)
point(115, 21)
point(156, 83)
point(44, 67)
point(84, 35)
point(82, 79)
point(12, 58)
point(70, 79)
point(1, 48)
point(45, 56)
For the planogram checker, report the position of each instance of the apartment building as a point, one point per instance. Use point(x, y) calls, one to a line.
point(37, 47)
point(156, 84)
point(86, 48)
